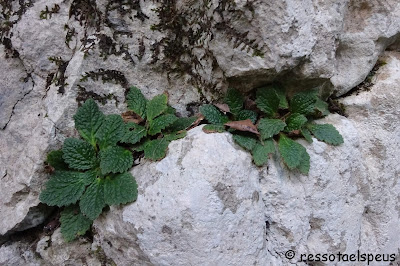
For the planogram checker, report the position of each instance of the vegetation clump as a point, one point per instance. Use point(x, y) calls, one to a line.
point(92, 172)
point(274, 121)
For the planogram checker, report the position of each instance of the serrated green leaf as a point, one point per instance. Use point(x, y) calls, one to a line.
point(270, 127)
point(160, 123)
point(247, 114)
point(135, 135)
point(182, 123)
point(115, 159)
point(56, 160)
point(73, 223)
point(322, 107)
point(120, 189)
point(140, 146)
point(291, 151)
point(213, 129)
point(303, 102)
point(156, 106)
point(283, 102)
point(304, 165)
point(267, 101)
point(260, 152)
point(213, 115)
point(136, 102)
point(88, 120)
point(111, 131)
point(326, 133)
point(245, 141)
point(307, 135)
point(295, 122)
point(65, 187)
point(234, 99)
point(156, 149)
point(170, 110)
point(79, 154)
point(92, 202)
point(175, 135)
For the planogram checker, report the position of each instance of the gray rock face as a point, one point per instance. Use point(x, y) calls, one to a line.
point(207, 203)
point(55, 54)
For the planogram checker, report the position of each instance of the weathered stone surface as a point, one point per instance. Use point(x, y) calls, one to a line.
point(199, 204)
point(54, 251)
point(19, 253)
point(82, 49)
point(207, 203)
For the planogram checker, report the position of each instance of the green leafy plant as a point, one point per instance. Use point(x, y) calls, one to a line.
point(274, 119)
point(154, 124)
point(90, 173)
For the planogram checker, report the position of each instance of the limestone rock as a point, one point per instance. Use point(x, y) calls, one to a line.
point(54, 251)
point(19, 253)
point(56, 54)
point(207, 203)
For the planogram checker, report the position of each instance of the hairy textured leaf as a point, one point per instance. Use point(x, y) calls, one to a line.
point(247, 114)
point(283, 103)
point(156, 106)
point(135, 135)
point(65, 187)
point(291, 151)
point(88, 120)
point(111, 131)
point(115, 159)
point(267, 101)
point(160, 123)
point(213, 129)
point(326, 133)
point(246, 142)
point(304, 165)
point(120, 189)
point(243, 125)
point(136, 102)
point(156, 149)
point(92, 201)
point(306, 134)
point(295, 122)
point(73, 223)
point(213, 115)
point(56, 160)
point(260, 152)
point(322, 107)
point(182, 123)
point(270, 127)
point(170, 110)
point(79, 154)
point(175, 135)
point(303, 102)
point(234, 99)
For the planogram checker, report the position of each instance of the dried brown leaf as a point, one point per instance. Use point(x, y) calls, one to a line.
point(243, 125)
point(200, 118)
point(130, 116)
point(249, 104)
point(223, 107)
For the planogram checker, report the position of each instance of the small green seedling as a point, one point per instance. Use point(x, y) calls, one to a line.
point(90, 173)
point(277, 120)
point(155, 126)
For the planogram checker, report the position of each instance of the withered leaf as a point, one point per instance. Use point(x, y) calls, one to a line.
point(130, 116)
point(200, 118)
point(243, 125)
point(223, 107)
point(249, 104)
